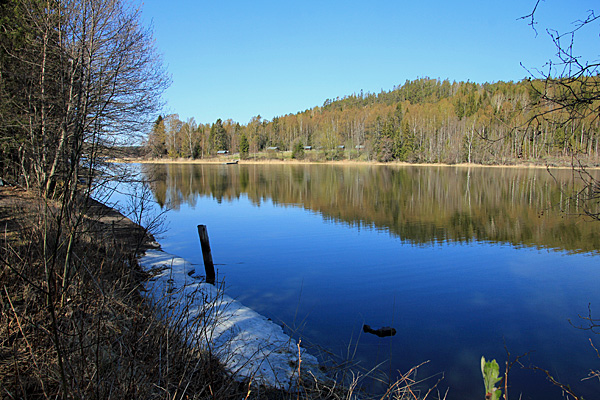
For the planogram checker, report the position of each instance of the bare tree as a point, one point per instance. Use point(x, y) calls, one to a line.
point(92, 79)
point(78, 77)
point(567, 93)
point(190, 128)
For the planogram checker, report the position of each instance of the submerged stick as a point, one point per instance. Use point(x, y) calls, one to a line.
point(381, 332)
point(206, 254)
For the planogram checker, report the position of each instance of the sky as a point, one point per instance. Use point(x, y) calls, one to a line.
point(234, 59)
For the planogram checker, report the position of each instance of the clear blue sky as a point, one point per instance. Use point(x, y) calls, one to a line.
point(239, 59)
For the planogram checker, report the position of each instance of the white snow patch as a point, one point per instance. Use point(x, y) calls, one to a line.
point(250, 345)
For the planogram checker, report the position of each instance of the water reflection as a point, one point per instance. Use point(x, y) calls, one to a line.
point(420, 205)
point(455, 260)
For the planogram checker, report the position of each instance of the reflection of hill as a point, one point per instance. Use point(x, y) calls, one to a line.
point(419, 204)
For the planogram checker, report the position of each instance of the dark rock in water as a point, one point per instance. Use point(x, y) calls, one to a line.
point(381, 332)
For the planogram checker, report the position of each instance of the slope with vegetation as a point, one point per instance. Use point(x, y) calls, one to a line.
point(72, 321)
point(425, 120)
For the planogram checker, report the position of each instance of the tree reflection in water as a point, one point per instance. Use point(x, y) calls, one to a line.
point(421, 205)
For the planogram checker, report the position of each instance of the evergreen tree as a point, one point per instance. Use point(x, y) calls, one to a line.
point(156, 139)
point(298, 151)
point(218, 136)
point(244, 146)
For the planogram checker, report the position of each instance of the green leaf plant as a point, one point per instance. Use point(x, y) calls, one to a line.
point(491, 371)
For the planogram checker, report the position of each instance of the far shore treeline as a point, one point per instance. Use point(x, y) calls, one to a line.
point(425, 120)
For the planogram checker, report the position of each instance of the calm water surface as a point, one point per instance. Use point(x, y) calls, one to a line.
point(461, 262)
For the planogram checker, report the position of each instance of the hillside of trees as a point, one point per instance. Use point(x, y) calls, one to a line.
point(425, 120)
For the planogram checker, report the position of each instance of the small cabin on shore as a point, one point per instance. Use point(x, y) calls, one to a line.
point(220, 152)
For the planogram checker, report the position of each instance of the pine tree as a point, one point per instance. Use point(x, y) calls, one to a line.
point(218, 136)
point(298, 151)
point(156, 139)
point(244, 146)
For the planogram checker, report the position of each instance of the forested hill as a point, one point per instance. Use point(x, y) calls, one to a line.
point(424, 120)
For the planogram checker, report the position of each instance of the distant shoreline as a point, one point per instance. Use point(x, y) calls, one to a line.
point(224, 160)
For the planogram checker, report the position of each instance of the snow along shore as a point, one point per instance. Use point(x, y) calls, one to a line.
point(249, 345)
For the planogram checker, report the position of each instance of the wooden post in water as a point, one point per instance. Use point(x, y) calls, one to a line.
point(206, 255)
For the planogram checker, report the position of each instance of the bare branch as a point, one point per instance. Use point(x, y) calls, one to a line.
point(531, 17)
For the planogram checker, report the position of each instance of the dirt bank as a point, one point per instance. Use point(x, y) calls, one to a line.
point(72, 321)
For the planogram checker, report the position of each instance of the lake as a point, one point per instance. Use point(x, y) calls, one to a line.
point(462, 262)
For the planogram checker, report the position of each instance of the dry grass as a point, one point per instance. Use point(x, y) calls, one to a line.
point(93, 337)
point(555, 163)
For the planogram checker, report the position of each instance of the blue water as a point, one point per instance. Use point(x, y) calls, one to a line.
point(450, 302)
